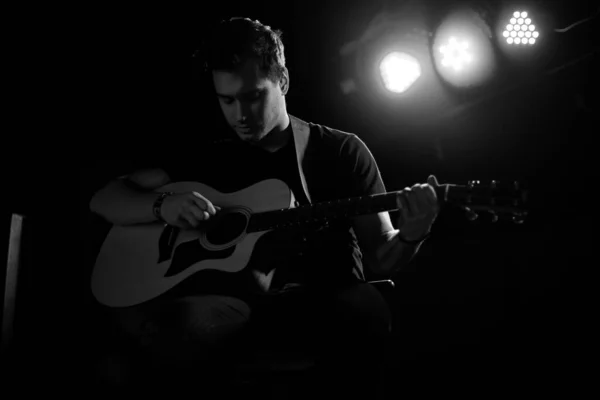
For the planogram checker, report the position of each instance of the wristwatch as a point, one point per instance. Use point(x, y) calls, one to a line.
point(156, 207)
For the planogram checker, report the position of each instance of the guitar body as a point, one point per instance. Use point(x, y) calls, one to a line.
point(140, 262)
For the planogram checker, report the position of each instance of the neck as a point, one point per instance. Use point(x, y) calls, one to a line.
point(279, 136)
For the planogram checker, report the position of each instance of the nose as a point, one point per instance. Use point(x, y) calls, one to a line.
point(241, 112)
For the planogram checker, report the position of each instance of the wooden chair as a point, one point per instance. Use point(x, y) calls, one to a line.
point(17, 344)
point(10, 283)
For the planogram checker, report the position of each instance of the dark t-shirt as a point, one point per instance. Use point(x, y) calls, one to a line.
point(337, 165)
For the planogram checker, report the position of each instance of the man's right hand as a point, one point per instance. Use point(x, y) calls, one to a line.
point(185, 210)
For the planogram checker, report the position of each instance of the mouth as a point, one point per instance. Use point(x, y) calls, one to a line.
point(246, 130)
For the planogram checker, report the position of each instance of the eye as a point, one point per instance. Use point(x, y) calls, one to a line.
point(254, 96)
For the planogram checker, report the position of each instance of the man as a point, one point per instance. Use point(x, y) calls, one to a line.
point(303, 290)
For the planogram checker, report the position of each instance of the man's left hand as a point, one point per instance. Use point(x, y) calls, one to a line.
point(419, 209)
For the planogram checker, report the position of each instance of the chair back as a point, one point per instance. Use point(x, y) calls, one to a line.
point(28, 313)
point(10, 279)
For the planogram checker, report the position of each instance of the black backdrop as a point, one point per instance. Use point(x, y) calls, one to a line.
point(481, 301)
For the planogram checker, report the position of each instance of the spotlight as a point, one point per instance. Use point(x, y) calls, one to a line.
point(520, 22)
point(456, 54)
point(461, 49)
point(399, 71)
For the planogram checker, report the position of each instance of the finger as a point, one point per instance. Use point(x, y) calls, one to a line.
point(432, 180)
point(431, 195)
point(204, 203)
point(190, 218)
point(404, 208)
point(420, 199)
point(408, 202)
point(197, 213)
point(426, 197)
point(413, 202)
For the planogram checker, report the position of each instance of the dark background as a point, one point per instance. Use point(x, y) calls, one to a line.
point(509, 303)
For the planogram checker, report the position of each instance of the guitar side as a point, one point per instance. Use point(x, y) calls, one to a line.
point(131, 268)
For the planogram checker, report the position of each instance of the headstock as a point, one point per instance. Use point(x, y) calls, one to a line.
point(499, 200)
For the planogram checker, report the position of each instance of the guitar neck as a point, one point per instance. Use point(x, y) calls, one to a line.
point(320, 212)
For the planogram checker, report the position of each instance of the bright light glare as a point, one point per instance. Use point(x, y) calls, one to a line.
point(462, 52)
point(399, 71)
point(456, 54)
point(520, 29)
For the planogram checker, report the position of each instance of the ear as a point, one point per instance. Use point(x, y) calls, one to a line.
point(284, 82)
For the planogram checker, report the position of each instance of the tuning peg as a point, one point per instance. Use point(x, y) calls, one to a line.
point(470, 214)
point(473, 183)
point(519, 218)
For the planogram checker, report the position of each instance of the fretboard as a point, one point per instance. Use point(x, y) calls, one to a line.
point(321, 212)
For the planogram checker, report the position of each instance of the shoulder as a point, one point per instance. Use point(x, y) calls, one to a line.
point(331, 138)
point(342, 142)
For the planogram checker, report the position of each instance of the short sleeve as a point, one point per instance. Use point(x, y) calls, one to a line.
point(360, 168)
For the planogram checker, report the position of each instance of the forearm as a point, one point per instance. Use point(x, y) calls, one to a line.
point(393, 254)
point(121, 203)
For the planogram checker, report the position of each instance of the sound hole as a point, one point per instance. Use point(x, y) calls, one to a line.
point(226, 228)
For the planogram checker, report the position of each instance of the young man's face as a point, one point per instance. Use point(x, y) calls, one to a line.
point(252, 104)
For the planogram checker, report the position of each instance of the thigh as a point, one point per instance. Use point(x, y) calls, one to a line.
point(190, 329)
point(358, 310)
point(354, 341)
point(353, 315)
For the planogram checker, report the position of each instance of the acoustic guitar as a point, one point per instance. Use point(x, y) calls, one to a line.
point(137, 263)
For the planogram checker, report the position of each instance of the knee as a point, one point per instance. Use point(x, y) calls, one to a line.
point(213, 319)
point(194, 328)
point(362, 312)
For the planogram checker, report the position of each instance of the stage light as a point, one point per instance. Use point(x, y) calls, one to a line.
point(520, 22)
point(399, 71)
point(456, 54)
point(463, 54)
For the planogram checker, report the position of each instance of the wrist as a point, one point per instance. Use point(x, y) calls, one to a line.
point(157, 205)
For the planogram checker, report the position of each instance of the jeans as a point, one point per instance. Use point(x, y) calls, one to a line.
point(196, 338)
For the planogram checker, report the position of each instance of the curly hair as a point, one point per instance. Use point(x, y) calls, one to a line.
point(237, 40)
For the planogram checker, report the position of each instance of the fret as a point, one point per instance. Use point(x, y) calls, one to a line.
point(320, 212)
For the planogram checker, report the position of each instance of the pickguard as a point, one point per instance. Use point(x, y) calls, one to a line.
point(189, 253)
